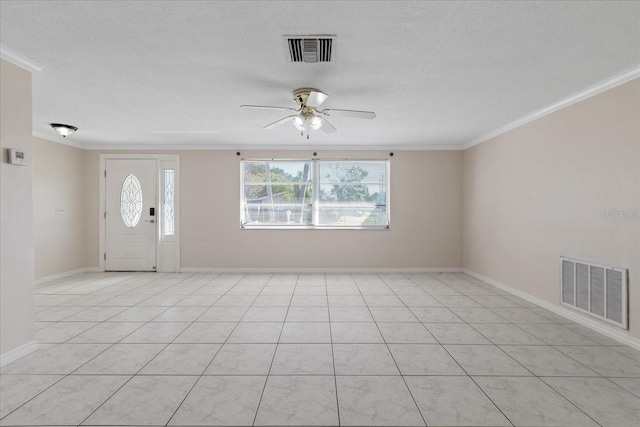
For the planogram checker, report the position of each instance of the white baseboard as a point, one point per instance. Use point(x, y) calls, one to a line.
point(17, 353)
point(65, 274)
point(317, 270)
point(609, 331)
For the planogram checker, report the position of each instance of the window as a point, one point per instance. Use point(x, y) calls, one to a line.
point(352, 194)
point(315, 194)
point(168, 194)
point(131, 201)
point(276, 193)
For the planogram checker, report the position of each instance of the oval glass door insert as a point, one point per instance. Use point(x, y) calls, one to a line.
point(131, 201)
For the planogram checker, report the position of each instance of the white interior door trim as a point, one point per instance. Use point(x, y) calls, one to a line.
point(162, 162)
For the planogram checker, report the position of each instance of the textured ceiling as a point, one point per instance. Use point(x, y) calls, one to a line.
point(438, 74)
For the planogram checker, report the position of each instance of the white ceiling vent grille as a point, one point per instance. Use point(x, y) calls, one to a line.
point(310, 49)
point(598, 290)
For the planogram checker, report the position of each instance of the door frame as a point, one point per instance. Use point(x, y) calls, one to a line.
point(167, 247)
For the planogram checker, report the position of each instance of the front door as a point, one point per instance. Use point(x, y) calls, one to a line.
point(131, 215)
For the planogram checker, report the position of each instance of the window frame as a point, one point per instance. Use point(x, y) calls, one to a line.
point(268, 182)
point(168, 226)
point(315, 203)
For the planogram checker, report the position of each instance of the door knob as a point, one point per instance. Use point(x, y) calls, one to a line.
point(150, 220)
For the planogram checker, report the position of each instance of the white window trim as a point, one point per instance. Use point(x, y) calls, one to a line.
point(315, 205)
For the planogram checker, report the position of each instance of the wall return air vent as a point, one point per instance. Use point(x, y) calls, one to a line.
point(596, 289)
point(310, 49)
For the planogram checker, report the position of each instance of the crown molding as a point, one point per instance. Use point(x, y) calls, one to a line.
point(563, 103)
point(19, 60)
point(58, 139)
point(310, 147)
point(182, 147)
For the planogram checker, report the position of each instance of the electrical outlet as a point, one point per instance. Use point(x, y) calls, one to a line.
point(307, 247)
point(60, 211)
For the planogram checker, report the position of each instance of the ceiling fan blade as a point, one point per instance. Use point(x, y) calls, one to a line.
point(353, 113)
point(279, 122)
point(268, 107)
point(327, 127)
point(316, 99)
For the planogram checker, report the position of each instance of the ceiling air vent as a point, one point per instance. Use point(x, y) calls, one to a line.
point(310, 49)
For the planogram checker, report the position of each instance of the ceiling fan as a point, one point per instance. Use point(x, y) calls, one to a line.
point(308, 115)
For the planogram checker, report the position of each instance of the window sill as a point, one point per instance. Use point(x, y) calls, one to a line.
point(311, 227)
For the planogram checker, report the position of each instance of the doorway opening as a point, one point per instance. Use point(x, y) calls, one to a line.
point(140, 212)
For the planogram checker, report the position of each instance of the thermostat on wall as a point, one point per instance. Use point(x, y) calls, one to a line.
point(18, 157)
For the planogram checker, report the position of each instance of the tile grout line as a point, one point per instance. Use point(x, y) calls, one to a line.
point(149, 361)
point(533, 376)
point(333, 357)
point(106, 320)
point(474, 381)
point(394, 289)
point(391, 354)
point(275, 352)
point(126, 382)
point(568, 400)
point(111, 346)
point(64, 376)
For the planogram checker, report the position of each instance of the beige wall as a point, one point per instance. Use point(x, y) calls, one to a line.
point(16, 236)
point(520, 200)
point(539, 192)
point(426, 202)
point(425, 218)
point(58, 183)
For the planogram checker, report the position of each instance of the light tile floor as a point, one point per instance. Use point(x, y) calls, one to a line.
point(311, 349)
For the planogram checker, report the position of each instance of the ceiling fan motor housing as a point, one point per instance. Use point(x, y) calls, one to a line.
point(301, 95)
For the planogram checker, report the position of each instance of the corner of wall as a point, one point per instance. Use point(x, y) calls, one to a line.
point(543, 190)
point(16, 237)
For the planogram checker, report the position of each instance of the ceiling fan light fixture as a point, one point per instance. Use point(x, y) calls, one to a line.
point(63, 130)
point(299, 122)
point(315, 123)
